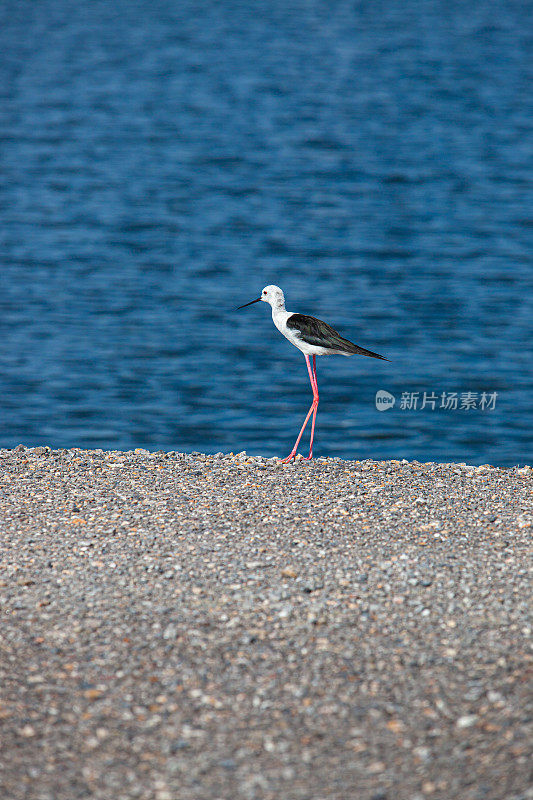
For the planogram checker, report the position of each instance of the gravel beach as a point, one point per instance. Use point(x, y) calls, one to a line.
point(229, 628)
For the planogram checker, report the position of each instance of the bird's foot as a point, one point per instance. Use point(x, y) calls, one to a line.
point(289, 457)
point(308, 458)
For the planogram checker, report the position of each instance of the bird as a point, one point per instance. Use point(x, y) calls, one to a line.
point(313, 338)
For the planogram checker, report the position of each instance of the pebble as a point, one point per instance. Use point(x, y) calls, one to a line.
point(211, 626)
point(467, 721)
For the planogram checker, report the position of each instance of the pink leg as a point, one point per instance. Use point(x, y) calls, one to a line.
point(315, 409)
point(312, 378)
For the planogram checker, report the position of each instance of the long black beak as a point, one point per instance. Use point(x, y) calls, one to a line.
point(248, 304)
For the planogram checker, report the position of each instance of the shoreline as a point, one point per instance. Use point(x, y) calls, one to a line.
point(71, 452)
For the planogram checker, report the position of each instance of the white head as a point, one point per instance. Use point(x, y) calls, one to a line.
point(270, 294)
point(273, 295)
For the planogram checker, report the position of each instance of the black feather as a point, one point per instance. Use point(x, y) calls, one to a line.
point(315, 332)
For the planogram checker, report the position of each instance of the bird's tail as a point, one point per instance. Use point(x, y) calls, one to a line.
point(354, 349)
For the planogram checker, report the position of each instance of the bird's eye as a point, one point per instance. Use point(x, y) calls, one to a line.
point(264, 292)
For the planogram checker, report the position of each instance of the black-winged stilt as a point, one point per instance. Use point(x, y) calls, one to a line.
point(314, 338)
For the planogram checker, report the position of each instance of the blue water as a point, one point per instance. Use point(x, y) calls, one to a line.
point(160, 162)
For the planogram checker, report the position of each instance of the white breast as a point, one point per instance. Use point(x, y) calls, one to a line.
point(280, 321)
point(279, 318)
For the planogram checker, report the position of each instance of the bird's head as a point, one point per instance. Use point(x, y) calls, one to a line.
point(273, 295)
point(270, 294)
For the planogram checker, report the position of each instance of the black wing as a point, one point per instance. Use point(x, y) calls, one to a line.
point(318, 333)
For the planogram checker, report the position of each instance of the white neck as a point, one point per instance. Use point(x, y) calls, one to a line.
point(280, 317)
point(277, 305)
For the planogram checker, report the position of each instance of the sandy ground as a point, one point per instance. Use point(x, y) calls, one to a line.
point(223, 627)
